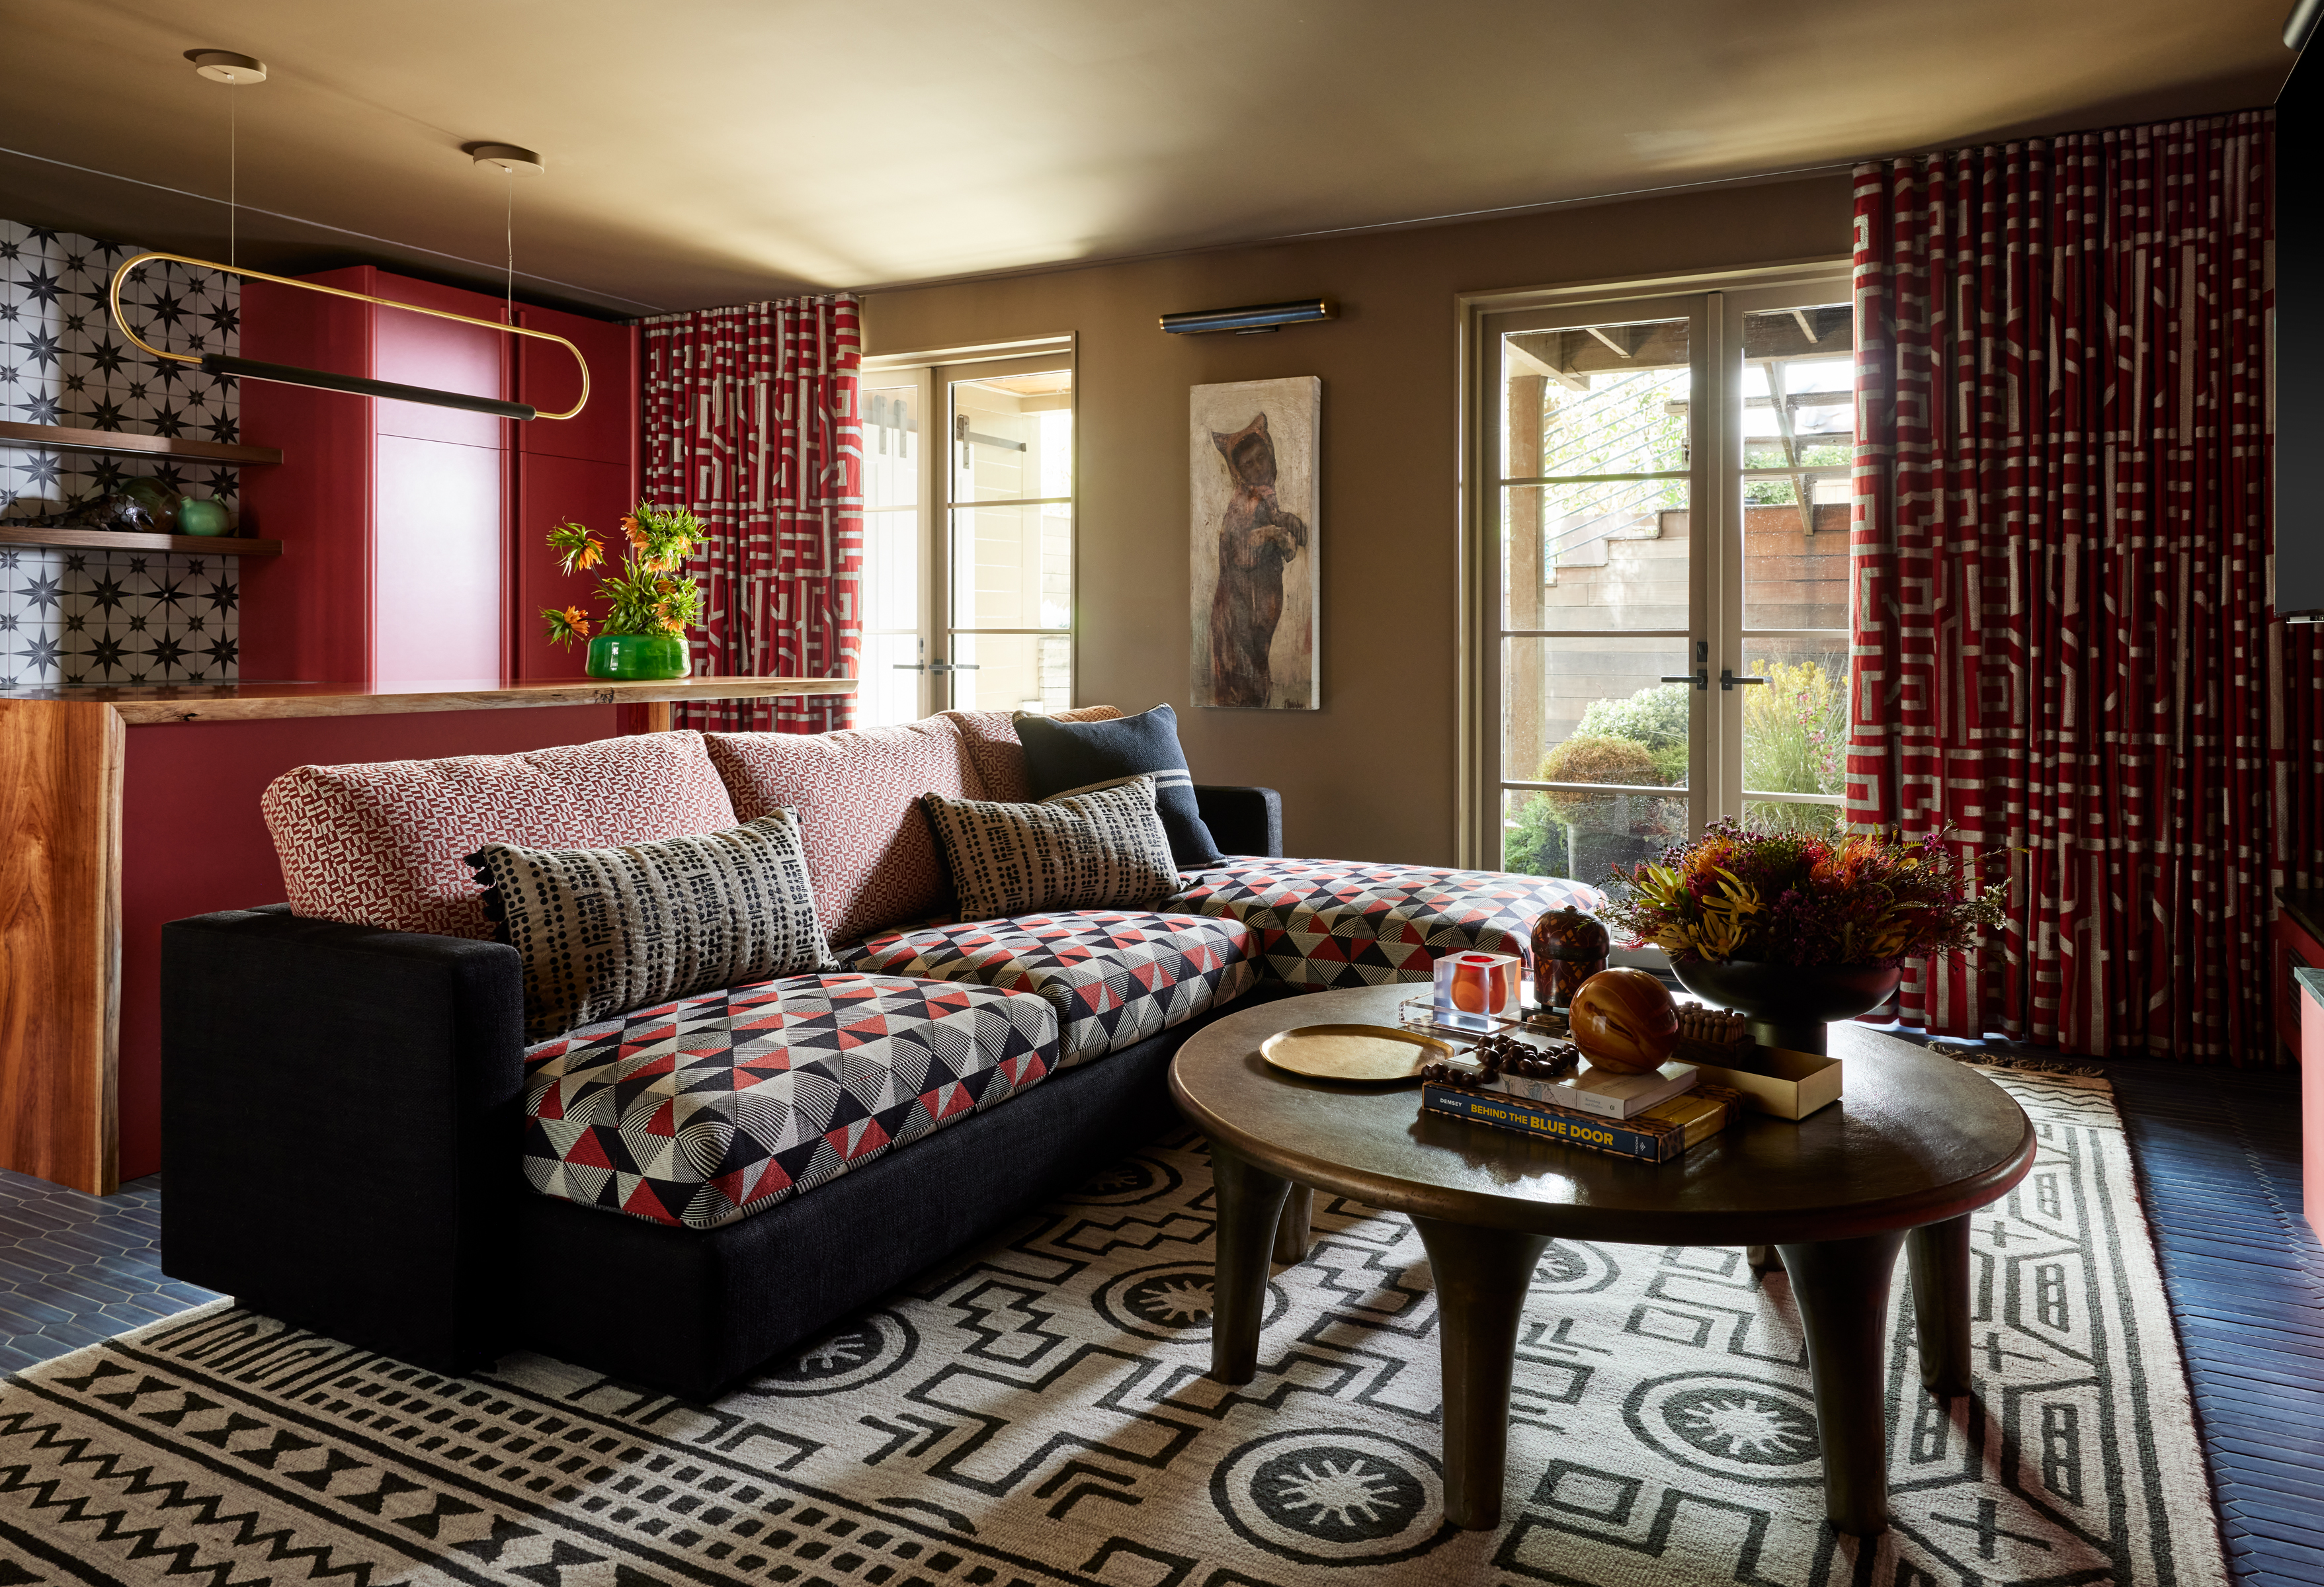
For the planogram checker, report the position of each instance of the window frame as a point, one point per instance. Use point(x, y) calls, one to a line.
point(932, 373)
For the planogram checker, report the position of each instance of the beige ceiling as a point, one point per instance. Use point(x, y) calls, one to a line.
point(714, 151)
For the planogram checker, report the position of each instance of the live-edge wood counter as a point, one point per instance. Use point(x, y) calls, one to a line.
point(105, 834)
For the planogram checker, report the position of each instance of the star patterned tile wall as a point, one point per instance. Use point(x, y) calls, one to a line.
point(75, 616)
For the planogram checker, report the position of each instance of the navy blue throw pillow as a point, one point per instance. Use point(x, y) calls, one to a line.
point(1062, 756)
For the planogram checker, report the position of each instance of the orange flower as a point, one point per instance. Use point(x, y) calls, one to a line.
point(672, 625)
point(578, 620)
point(631, 528)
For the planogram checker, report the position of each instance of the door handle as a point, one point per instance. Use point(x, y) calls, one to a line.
point(1700, 677)
point(939, 666)
point(1727, 679)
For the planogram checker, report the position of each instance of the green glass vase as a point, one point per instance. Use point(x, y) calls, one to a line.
point(639, 657)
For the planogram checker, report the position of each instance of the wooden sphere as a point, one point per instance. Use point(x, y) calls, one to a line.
point(1625, 1021)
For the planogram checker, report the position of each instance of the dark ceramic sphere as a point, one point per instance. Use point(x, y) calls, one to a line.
point(1789, 1005)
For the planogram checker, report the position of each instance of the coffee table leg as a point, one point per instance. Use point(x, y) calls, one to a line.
point(1762, 1259)
point(1842, 1289)
point(1481, 1279)
point(1299, 1216)
point(1938, 1257)
point(1249, 1208)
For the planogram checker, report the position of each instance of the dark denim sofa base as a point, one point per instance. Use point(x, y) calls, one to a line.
point(341, 1119)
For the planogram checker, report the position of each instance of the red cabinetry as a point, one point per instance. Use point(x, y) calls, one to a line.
point(412, 535)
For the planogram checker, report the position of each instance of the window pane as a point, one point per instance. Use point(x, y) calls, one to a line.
point(886, 695)
point(1594, 710)
point(1606, 400)
point(1795, 729)
point(1012, 566)
point(892, 446)
point(1014, 672)
point(891, 531)
point(1799, 419)
point(891, 569)
point(1579, 836)
point(1587, 557)
point(1012, 437)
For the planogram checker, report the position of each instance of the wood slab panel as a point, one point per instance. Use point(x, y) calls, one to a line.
point(149, 704)
point(59, 939)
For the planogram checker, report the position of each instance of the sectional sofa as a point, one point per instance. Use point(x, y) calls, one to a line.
point(358, 1139)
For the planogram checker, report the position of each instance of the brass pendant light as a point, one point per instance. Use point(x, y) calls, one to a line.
point(239, 71)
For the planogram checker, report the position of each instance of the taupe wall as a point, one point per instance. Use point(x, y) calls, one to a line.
point(1371, 775)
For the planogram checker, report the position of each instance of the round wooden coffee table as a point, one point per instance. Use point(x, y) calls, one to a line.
point(1916, 1145)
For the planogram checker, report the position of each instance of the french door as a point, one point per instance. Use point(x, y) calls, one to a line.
point(968, 533)
point(1666, 520)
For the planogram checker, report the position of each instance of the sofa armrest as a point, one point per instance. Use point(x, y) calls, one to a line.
point(1243, 820)
point(342, 1128)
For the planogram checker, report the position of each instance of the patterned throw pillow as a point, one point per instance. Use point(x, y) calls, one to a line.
point(603, 931)
point(1102, 848)
point(381, 844)
point(868, 850)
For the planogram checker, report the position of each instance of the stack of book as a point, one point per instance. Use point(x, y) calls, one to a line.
point(1655, 1116)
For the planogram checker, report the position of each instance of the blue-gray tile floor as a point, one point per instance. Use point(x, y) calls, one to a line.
point(76, 1269)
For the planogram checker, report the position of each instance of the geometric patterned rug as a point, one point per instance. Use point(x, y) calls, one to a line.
point(1036, 1413)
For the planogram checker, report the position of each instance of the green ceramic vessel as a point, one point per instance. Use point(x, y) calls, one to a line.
point(639, 657)
point(199, 515)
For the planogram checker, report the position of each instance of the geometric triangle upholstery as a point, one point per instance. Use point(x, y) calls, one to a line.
point(704, 1111)
point(1114, 976)
point(1331, 923)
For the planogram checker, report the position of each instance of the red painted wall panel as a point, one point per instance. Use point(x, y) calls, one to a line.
point(583, 468)
point(606, 430)
point(193, 842)
point(551, 491)
point(307, 614)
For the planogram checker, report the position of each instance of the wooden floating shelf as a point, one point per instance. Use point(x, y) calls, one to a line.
point(59, 438)
point(106, 539)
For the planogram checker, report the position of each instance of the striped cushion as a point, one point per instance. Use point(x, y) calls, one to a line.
point(603, 931)
point(1102, 848)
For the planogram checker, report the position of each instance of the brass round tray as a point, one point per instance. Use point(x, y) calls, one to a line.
point(1354, 1052)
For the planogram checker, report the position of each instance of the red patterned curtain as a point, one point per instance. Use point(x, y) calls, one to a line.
point(2064, 644)
point(750, 421)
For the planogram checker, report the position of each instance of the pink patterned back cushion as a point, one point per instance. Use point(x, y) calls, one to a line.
point(381, 844)
point(998, 758)
point(870, 853)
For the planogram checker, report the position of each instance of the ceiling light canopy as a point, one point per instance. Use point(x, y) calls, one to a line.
point(507, 157)
point(225, 66)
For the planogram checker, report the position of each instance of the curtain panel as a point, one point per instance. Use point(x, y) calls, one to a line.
point(751, 422)
point(2062, 642)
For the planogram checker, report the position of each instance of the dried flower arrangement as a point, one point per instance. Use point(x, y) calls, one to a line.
point(652, 593)
point(1789, 898)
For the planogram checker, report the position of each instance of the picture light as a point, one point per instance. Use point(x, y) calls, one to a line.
point(1252, 319)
